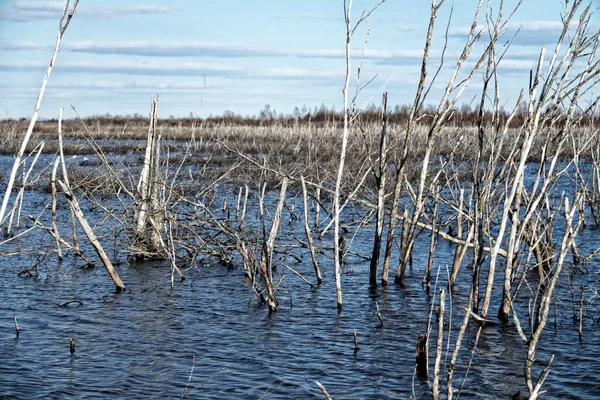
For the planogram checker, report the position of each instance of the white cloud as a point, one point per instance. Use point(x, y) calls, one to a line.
point(529, 33)
point(173, 49)
point(18, 45)
point(24, 11)
point(125, 10)
point(215, 49)
point(338, 18)
point(309, 16)
point(38, 5)
point(160, 68)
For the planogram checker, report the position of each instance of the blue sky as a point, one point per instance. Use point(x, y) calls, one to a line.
point(205, 57)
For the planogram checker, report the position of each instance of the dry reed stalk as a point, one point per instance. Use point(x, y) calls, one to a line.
point(167, 248)
point(62, 27)
point(311, 247)
point(21, 234)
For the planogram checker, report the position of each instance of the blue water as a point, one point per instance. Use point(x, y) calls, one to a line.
point(209, 337)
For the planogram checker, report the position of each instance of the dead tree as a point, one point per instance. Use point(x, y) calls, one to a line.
point(149, 210)
point(380, 177)
point(67, 15)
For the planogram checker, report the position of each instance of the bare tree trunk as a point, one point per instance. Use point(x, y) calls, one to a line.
point(422, 356)
point(461, 334)
point(157, 211)
point(515, 190)
point(313, 255)
point(461, 250)
point(91, 236)
point(76, 210)
point(340, 174)
point(380, 176)
point(267, 251)
point(410, 128)
point(317, 206)
point(63, 24)
point(439, 343)
point(432, 240)
point(54, 224)
point(391, 228)
point(404, 249)
point(16, 210)
point(144, 184)
point(545, 300)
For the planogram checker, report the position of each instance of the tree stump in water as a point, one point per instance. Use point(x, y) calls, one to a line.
point(517, 396)
point(422, 356)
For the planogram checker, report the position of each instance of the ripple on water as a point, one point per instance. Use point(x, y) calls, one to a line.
point(143, 343)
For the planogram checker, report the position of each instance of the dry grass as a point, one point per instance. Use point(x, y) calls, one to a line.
point(300, 149)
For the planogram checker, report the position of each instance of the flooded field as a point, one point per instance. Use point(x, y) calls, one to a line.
point(444, 247)
point(210, 336)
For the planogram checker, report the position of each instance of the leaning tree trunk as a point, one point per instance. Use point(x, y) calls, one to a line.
point(68, 14)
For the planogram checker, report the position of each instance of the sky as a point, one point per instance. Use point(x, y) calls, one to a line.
point(203, 57)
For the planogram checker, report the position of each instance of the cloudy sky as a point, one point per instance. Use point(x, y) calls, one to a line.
point(205, 57)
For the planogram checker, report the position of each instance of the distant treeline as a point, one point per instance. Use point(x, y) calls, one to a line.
point(463, 115)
